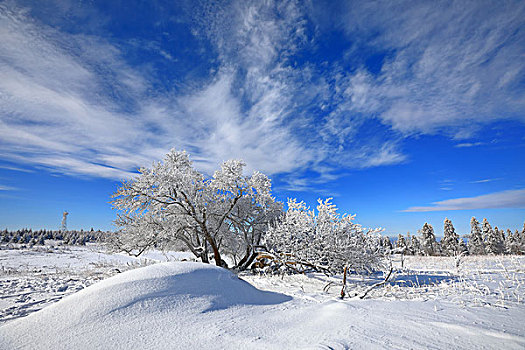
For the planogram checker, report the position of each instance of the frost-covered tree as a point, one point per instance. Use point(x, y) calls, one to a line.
point(463, 249)
point(475, 239)
point(173, 203)
point(520, 239)
point(414, 245)
point(386, 245)
point(401, 244)
point(512, 242)
point(429, 245)
point(324, 240)
point(491, 239)
point(450, 241)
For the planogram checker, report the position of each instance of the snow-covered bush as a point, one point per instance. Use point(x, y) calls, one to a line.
point(323, 240)
point(172, 203)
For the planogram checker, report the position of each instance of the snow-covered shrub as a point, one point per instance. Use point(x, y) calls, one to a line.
point(324, 240)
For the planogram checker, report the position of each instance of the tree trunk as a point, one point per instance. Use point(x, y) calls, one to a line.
point(343, 293)
point(242, 263)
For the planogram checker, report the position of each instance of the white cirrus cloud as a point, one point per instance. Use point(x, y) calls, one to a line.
point(496, 200)
point(448, 67)
point(7, 188)
point(69, 101)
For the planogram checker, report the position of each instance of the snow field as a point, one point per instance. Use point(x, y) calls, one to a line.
point(31, 278)
point(178, 305)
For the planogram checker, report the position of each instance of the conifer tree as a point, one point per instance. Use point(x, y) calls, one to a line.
point(492, 239)
point(401, 244)
point(520, 239)
point(428, 240)
point(475, 239)
point(414, 245)
point(450, 241)
point(463, 249)
point(511, 242)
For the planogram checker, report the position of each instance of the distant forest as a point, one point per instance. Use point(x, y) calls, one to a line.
point(70, 237)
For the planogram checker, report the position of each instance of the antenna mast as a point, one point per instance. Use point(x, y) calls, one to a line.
point(64, 221)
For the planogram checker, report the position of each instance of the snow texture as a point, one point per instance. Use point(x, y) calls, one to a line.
point(181, 305)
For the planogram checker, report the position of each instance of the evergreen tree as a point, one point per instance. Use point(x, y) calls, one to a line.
point(450, 241)
point(520, 239)
point(475, 239)
point(428, 240)
point(492, 239)
point(414, 245)
point(463, 249)
point(512, 242)
point(401, 244)
point(386, 244)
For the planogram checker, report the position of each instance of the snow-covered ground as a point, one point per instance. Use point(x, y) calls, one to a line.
point(31, 278)
point(432, 303)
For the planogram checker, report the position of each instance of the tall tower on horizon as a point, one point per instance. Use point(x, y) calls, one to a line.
point(64, 221)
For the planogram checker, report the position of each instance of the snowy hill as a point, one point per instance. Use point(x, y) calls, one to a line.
point(183, 305)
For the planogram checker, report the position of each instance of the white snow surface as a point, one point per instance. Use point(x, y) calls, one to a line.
point(186, 305)
point(34, 277)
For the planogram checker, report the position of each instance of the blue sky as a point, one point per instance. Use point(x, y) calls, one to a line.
point(404, 112)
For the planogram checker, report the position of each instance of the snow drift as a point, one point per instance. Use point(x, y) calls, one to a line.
point(150, 307)
point(188, 305)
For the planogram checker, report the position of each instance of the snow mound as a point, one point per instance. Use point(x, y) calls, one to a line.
point(183, 305)
point(136, 307)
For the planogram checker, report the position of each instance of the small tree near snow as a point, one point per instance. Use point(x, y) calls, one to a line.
point(491, 239)
point(475, 239)
point(401, 244)
point(450, 241)
point(428, 240)
point(512, 244)
point(414, 245)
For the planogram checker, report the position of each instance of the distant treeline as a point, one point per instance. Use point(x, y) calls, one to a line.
point(73, 237)
point(482, 240)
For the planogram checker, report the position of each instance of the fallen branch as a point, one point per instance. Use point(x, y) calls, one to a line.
point(377, 284)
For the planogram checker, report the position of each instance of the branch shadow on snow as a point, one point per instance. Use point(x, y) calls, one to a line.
point(207, 290)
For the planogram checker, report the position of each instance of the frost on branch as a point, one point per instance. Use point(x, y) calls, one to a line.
point(173, 204)
point(324, 240)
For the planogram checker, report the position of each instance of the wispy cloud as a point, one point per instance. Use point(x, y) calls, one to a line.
point(7, 188)
point(14, 168)
point(468, 144)
point(72, 102)
point(435, 77)
point(496, 200)
point(484, 181)
point(75, 106)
